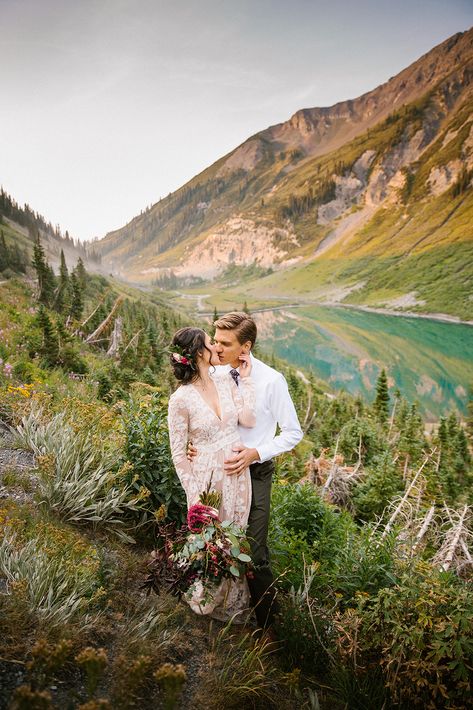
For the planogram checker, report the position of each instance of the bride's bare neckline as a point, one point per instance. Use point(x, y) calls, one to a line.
point(200, 391)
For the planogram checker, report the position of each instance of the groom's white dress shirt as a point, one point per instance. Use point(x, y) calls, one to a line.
point(274, 407)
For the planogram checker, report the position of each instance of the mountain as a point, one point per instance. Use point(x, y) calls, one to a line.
point(367, 201)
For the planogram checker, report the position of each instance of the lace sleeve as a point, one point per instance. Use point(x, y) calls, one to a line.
point(245, 401)
point(178, 424)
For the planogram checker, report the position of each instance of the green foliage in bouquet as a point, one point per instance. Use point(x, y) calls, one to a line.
point(211, 498)
point(204, 550)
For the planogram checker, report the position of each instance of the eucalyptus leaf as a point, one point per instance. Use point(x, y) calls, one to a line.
point(235, 571)
point(244, 558)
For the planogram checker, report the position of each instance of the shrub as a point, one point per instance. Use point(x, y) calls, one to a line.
point(299, 509)
point(71, 361)
point(302, 529)
point(289, 551)
point(361, 437)
point(365, 564)
point(422, 630)
point(25, 371)
point(147, 450)
point(377, 489)
point(104, 386)
point(352, 562)
point(305, 627)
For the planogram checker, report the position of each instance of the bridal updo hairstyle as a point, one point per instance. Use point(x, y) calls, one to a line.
point(191, 343)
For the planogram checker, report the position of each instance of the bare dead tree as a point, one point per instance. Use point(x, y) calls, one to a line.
point(423, 529)
point(106, 322)
point(94, 311)
point(116, 338)
point(405, 497)
point(133, 342)
point(452, 550)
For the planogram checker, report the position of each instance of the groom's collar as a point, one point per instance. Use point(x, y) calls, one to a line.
point(226, 368)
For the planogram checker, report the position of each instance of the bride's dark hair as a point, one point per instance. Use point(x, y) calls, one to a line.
point(186, 345)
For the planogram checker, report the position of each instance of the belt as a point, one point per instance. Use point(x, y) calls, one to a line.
point(211, 447)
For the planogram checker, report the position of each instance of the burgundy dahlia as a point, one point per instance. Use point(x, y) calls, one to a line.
point(199, 515)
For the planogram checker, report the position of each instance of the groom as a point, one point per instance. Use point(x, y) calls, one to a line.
point(235, 334)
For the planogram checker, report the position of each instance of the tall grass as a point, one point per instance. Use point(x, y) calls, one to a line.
point(78, 479)
point(54, 592)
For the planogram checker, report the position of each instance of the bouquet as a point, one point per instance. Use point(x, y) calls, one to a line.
point(204, 550)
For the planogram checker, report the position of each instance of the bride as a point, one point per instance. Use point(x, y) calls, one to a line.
point(207, 411)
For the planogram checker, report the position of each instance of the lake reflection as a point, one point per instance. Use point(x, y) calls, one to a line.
point(429, 361)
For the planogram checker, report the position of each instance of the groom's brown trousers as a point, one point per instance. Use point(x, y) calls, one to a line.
point(262, 585)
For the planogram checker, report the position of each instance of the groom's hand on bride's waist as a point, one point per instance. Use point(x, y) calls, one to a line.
point(191, 452)
point(243, 458)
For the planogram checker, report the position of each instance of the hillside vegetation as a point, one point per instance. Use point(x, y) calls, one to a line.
point(371, 529)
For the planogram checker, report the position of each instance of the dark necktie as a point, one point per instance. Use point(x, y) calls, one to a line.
point(235, 374)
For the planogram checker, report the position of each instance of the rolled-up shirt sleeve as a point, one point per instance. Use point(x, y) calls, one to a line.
point(284, 413)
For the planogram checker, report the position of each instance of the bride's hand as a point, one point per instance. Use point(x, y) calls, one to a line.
point(245, 365)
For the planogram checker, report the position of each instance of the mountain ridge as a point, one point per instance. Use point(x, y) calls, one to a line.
point(275, 201)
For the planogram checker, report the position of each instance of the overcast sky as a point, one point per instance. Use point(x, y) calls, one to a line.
point(107, 105)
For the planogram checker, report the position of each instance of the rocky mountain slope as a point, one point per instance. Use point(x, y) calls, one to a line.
point(349, 196)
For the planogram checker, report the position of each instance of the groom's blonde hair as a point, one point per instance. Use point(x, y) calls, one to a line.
point(242, 323)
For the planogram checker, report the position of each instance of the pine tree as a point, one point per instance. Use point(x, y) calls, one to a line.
point(50, 346)
point(81, 273)
point(49, 285)
point(4, 260)
point(452, 425)
point(215, 315)
point(77, 304)
point(64, 336)
point(16, 259)
point(165, 325)
point(410, 426)
point(469, 416)
point(44, 274)
point(156, 352)
point(378, 488)
point(63, 289)
point(381, 402)
point(461, 449)
point(39, 263)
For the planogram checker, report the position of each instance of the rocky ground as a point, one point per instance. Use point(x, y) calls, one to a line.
point(16, 470)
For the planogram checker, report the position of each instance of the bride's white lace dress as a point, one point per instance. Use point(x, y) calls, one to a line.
point(190, 418)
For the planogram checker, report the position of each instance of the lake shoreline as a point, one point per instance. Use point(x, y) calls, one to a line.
point(437, 317)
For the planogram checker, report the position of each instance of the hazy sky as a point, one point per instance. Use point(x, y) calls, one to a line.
point(109, 104)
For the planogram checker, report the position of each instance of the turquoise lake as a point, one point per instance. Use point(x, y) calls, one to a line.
point(431, 362)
